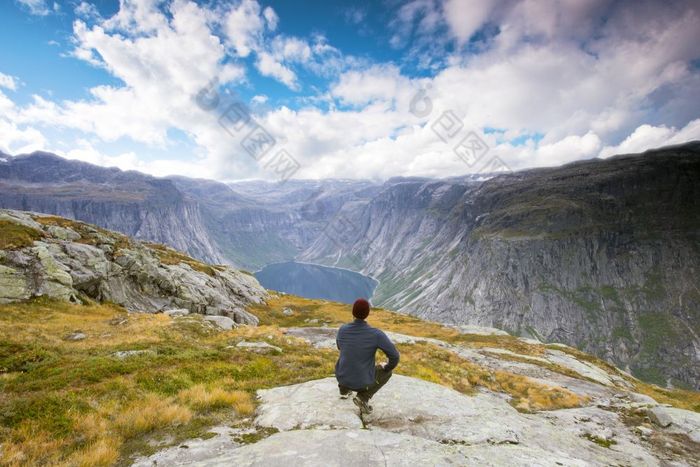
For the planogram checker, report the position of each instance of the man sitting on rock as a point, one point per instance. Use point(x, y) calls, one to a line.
point(355, 369)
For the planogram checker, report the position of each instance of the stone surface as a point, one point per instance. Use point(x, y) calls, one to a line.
point(13, 285)
point(76, 336)
point(223, 322)
point(124, 354)
point(177, 312)
point(111, 267)
point(325, 448)
point(676, 420)
point(258, 346)
point(480, 330)
point(195, 451)
point(417, 408)
point(419, 423)
point(585, 369)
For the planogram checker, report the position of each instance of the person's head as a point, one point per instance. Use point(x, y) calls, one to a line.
point(360, 309)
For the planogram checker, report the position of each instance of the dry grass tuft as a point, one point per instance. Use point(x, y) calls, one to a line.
point(101, 452)
point(149, 414)
point(91, 426)
point(200, 397)
point(431, 363)
point(171, 256)
point(14, 236)
point(29, 444)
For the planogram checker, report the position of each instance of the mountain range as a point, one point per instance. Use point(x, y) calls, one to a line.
point(600, 254)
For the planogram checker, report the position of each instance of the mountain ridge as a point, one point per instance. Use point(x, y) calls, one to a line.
point(449, 249)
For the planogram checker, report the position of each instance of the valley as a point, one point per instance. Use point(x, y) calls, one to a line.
point(597, 254)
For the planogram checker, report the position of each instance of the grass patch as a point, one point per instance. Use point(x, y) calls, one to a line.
point(146, 415)
point(606, 443)
point(14, 236)
point(171, 256)
point(75, 403)
point(201, 397)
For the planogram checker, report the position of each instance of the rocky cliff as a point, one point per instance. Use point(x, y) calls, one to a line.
point(602, 255)
point(59, 258)
point(132, 203)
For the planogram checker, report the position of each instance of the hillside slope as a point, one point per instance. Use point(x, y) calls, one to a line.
point(173, 389)
point(601, 255)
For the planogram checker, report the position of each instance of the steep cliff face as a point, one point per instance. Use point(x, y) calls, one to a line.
point(135, 204)
point(602, 255)
point(258, 223)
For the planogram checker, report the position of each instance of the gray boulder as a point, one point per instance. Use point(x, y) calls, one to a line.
point(676, 420)
point(222, 322)
point(107, 266)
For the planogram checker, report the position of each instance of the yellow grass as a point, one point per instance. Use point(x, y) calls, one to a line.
point(335, 314)
point(151, 413)
point(14, 236)
point(74, 403)
point(201, 398)
point(101, 452)
point(28, 445)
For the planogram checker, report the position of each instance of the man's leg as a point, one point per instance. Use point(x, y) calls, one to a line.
point(381, 377)
point(344, 392)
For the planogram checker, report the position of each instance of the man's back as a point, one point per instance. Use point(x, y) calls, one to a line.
point(358, 343)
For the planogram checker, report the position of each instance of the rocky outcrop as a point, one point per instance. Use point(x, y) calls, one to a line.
point(416, 422)
point(70, 260)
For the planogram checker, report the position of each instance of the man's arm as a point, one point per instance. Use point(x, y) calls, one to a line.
point(389, 350)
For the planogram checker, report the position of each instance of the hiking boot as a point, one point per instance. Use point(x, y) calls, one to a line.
point(345, 396)
point(365, 408)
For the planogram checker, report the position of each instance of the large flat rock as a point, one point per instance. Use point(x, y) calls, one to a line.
point(404, 405)
point(477, 423)
point(330, 448)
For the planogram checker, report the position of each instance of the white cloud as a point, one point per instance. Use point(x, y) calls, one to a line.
point(269, 66)
point(581, 86)
point(271, 18)
point(38, 7)
point(87, 10)
point(649, 137)
point(8, 82)
point(17, 138)
point(244, 27)
point(465, 17)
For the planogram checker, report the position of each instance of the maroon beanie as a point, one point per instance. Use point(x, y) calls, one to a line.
point(360, 309)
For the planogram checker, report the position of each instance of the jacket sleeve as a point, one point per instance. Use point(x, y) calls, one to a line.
point(389, 349)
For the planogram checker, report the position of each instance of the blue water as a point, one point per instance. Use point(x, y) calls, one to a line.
point(315, 281)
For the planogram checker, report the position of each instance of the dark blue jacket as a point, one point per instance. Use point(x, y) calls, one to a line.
point(358, 342)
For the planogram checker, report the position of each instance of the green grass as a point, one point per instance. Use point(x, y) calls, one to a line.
point(14, 236)
point(75, 403)
point(170, 256)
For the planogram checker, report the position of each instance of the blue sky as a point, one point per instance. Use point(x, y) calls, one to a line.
point(336, 84)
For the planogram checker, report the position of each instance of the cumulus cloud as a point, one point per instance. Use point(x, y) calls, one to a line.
point(543, 83)
point(649, 137)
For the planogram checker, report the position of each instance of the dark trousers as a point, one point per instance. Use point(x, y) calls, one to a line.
point(381, 377)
